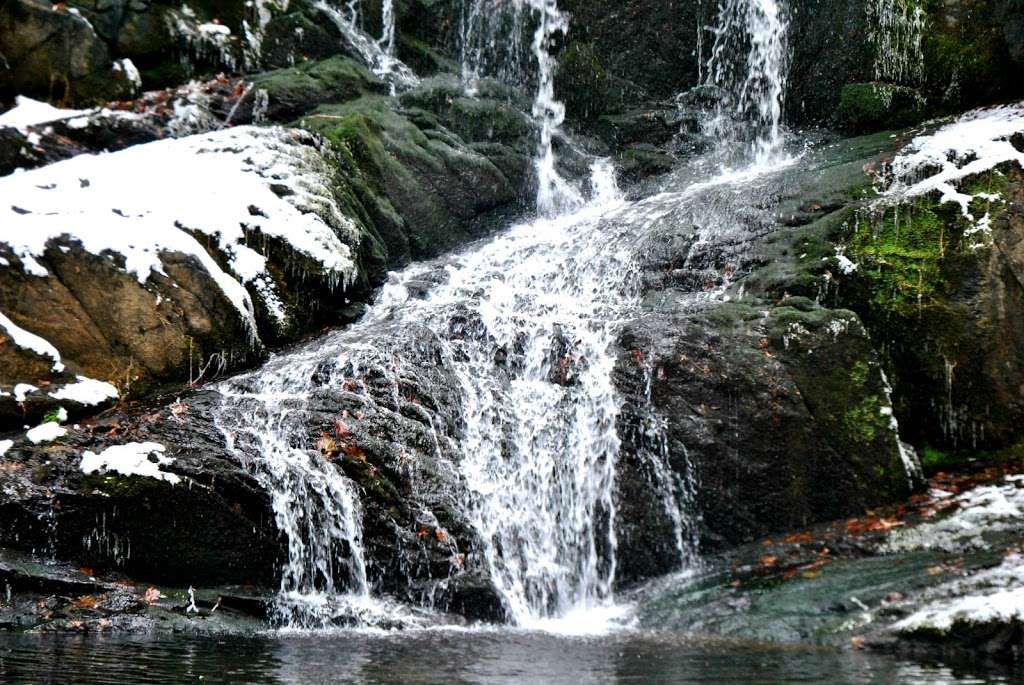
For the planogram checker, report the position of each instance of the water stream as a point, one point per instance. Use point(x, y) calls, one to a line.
point(537, 448)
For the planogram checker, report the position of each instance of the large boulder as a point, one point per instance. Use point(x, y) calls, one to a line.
point(139, 290)
point(427, 189)
point(54, 54)
point(774, 408)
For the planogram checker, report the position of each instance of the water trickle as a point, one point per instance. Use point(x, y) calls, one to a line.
point(896, 31)
point(747, 67)
point(491, 44)
point(387, 38)
point(378, 55)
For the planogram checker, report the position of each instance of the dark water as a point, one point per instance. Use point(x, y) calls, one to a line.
point(444, 657)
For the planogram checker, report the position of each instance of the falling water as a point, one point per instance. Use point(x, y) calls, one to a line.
point(748, 67)
point(378, 55)
point(387, 39)
point(896, 31)
point(537, 444)
point(491, 44)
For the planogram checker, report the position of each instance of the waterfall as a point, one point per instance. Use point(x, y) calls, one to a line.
point(748, 67)
point(525, 327)
point(555, 195)
point(491, 45)
point(378, 55)
point(387, 38)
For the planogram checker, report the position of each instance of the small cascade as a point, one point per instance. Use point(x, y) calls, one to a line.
point(491, 44)
point(387, 38)
point(896, 31)
point(317, 510)
point(555, 194)
point(747, 68)
point(378, 55)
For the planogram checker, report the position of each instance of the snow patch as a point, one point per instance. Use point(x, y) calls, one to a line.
point(975, 143)
point(269, 180)
point(130, 71)
point(30, 341)
point(46, 432)
point(987, 509)
point(992, 596)
point(5, 445)
point(27, 113)
point(86, 391)
point(131, 459)
point(21, 391)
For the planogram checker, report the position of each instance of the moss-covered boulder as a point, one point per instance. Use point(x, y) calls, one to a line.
point(945, 303)
point(866, 107)
point(294, 91)
point(425, 188)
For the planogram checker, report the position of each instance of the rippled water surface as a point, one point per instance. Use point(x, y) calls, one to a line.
point(446, 656)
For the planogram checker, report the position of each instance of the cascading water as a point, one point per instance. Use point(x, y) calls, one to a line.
point(537, 444)
point(896, 32)
point(485, 53)
point(379, 55)
point(747, 67)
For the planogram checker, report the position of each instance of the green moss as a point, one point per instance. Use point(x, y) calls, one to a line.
point(121, 486)
point(864, 420)
point(867, 107)
point(582, 81)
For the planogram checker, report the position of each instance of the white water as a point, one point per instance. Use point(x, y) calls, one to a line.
point(748, 65)
point(378, 55)
point(896, 31)
point(538, 444)
point(491, 44)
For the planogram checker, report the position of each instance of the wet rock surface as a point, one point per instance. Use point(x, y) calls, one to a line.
point(854, 582)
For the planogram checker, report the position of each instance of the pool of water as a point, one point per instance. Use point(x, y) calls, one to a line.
point(448, 656)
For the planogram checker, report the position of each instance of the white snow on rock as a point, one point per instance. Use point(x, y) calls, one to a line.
point(131, 72)
point(992, 596)
point(153, 198)
point(46, 432)
point(987, 509)
point(27, 113)
point(5, 445)
point(975, 143)
point(21, 391)
point(30, 341)
point(132, 459)
point(86, 391)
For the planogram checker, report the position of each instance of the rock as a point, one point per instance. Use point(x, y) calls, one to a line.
point(195, 108)
point(637, 49)
point(293, 92)
point(55, 55)
point(424, 188)
point(113, 320)
point(766, 394)
point(945, 306)
point(214, 526)
point(866, 107)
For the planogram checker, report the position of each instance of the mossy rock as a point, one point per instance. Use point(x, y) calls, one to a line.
point(868, 107)
point(295, 91)
point(946, 310)
point(582, 82)
point(423, 185)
